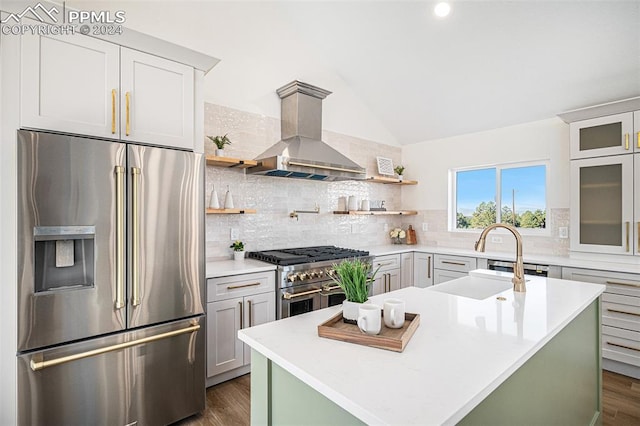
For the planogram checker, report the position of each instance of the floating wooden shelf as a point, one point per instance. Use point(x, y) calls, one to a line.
point(231, 211)
point(377, 212)
point(390, 181)
point(213, 160)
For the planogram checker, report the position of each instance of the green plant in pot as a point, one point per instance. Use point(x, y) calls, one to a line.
point(354, 278)
point(399, 171)
point(220, 142)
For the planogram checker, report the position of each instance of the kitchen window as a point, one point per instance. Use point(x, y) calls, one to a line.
point(481, 196)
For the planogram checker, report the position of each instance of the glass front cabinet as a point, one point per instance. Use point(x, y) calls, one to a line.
point(610, 135)
point(602, 204)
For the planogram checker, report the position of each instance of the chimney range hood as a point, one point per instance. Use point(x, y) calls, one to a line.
point(301, 153)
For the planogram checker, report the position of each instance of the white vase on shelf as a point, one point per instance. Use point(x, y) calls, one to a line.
point(214, 203)
point(219, 152)
point(228, 199)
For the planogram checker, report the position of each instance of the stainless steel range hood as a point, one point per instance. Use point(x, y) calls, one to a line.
point(301, 153)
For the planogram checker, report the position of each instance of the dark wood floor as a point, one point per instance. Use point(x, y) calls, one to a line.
point(228, 404)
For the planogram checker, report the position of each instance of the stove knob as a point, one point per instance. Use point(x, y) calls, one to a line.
point(292, 277)
point(314, 274)
point(320, 274)
point(304, 276)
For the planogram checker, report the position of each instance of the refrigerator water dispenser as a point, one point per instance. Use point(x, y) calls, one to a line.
point(64, 257)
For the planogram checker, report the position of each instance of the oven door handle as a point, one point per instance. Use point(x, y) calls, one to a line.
point(330, 287)
point(289, 296)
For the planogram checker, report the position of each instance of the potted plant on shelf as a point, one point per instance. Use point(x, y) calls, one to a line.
point(399, 171)
point(238, 250)
point(220, 142)
point(354, 278)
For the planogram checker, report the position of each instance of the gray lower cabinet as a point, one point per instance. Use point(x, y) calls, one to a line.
point(449, 267)
point(235, 302)
point(406, 269)
point(388, 275)
point(422, 269)
point(620, 317)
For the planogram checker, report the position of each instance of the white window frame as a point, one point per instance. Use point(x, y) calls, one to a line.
point(453, 208)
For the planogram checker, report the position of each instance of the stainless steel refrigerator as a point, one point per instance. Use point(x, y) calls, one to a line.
point(110, 282)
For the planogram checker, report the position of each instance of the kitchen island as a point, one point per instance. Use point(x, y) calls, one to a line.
point(533, 357)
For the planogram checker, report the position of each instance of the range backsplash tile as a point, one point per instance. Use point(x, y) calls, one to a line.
point(275, 198)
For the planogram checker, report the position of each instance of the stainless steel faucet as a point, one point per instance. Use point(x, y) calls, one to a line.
point(518, 266)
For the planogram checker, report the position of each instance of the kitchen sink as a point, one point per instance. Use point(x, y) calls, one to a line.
point(473, 287)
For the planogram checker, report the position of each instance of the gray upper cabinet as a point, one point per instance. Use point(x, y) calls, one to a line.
point(602, 136)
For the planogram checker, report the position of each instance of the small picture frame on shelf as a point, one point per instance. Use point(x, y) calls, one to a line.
point(385, 166)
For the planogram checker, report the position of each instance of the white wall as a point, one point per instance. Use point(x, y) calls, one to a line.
point(9, 107)
point(429, 162)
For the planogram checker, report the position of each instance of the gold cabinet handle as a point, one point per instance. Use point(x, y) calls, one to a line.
point(289, 296)
point(384, 264)
point(250, 315)
point(638, 139)
point(623, 283)
point(128, 118)
point(453, 263)
point(623, 312)
point(241, 315)
point(626, 225)
point(233, 287)
point(120, 237)
point(623, 346)
point(39, 365)
point(135, 238)
point(626, 141)
point(638, 247)
point(429, 267)
point(113, 111)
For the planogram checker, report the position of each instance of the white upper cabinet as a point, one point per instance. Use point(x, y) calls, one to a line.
point(156, 100)
point(67, 84)
point(596, 137)
point(82, 85)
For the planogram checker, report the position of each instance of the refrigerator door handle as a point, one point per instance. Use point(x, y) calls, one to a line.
point(37, 365)
point(120, 237)
point(135, 237)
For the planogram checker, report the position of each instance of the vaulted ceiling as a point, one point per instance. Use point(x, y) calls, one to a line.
point(399, 74)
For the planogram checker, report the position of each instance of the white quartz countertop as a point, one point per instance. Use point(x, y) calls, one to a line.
point(224, 268)
point(463, 350)
point(633, 265)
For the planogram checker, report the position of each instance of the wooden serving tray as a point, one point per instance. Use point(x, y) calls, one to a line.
point(393, 339)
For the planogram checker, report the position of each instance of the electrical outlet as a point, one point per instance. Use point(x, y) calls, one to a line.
point(234, 234)
point(563, 232)
point(497, 240)
point(425, 226)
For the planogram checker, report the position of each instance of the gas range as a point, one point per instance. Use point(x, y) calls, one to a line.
point(304, 276)
point(302, 255)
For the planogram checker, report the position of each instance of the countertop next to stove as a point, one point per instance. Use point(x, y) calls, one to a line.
point(225, 268)
point(461, 352)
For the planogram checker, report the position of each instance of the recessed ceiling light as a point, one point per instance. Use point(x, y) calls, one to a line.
point(442, 9)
